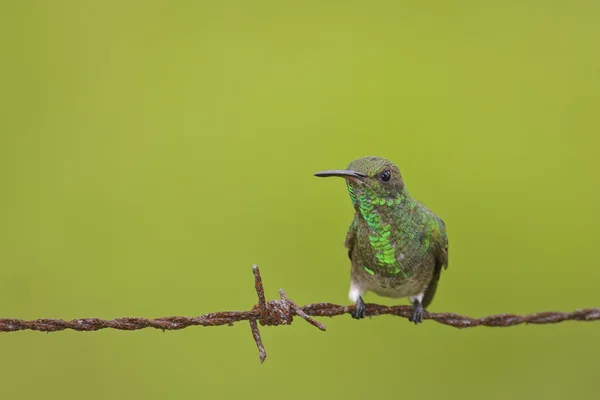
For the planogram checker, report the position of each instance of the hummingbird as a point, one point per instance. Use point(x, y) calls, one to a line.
point(396, 245)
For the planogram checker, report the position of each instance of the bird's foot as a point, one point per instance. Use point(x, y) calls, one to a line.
point(418, 312)
point(360, 310)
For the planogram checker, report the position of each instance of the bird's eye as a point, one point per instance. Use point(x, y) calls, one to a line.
point(385, 175)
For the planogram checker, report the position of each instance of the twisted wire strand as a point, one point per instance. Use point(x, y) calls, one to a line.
point(282, 312)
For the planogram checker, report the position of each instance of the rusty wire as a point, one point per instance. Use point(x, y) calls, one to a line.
point(281, 312)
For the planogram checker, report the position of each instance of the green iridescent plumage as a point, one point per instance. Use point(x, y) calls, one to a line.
point(397, 245)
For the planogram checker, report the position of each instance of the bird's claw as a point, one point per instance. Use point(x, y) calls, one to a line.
point(360, 309)
point(418, 313)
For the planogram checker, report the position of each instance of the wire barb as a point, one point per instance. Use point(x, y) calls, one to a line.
point(274, 312)
point(282, 312)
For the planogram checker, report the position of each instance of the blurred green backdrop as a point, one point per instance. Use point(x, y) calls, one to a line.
point(151, 152)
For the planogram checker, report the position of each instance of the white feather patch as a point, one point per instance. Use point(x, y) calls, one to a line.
point(418, 298)
point(355, 293)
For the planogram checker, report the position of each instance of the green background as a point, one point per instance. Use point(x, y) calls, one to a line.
point(151, 152)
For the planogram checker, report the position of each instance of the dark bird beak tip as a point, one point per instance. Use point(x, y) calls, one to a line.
point(323, 174)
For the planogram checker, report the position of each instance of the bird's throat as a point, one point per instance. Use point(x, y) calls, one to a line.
point(380, 214)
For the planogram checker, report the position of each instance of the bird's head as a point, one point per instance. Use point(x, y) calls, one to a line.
point(370, 179)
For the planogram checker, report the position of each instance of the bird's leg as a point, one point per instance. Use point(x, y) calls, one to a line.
point(418, 310)
point(355, 295)
point(360, 310)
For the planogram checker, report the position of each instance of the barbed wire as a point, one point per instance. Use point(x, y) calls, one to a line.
point(282, 312)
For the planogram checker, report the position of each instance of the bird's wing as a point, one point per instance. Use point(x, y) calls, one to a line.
point(351, 236)
point(440, 239)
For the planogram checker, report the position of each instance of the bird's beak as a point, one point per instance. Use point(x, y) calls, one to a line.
point(342, 173)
